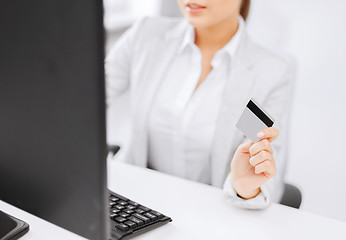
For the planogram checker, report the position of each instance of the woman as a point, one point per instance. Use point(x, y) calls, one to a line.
point(189, 81)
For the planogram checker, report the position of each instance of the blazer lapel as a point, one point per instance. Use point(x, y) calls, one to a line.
point(237, 92)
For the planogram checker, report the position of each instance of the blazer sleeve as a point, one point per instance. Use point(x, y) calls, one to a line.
point(278, 102)
point(118, 63)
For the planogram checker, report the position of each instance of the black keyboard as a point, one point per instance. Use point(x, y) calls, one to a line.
point(129, 219)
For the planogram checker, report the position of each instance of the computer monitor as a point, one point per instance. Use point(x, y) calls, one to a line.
point(52, 112)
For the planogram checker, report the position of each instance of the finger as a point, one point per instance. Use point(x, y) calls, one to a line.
point(270, 133)
point(267, 168)
point(263, 145)
point(260, 158)
point(244, 147)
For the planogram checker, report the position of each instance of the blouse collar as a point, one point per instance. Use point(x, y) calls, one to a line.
point(230, 48)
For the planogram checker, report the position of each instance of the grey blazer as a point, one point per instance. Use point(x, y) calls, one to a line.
point(255, 72)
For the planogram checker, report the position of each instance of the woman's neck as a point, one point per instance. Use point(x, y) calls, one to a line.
point(217, 36)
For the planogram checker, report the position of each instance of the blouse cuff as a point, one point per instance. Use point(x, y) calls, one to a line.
point(261, 201)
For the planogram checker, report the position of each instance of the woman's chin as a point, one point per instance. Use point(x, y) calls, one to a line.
point(198, 22)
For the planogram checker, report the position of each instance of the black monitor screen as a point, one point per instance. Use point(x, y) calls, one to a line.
point(52, 112)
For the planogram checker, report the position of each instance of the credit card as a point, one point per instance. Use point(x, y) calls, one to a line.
point(254, 119)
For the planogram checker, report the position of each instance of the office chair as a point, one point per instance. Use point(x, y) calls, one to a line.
point(291, 197)
point(113, 149)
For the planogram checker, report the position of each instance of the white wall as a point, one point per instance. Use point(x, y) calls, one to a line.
point(314, 32)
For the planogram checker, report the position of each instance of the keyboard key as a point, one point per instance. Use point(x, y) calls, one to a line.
point(114, 199)
point(114, 210)
point(151, 216)
point(141, 217)
point(136, 220)
point(119, 219)
point(124, 215)
point(122, 203)
point(131, 207)
point(111, 204)
point(122, 226)
point(159, 215)
point(134, 203)
point(130, 224)
point(145, 208)
point(140, 211)
point(128, 211)
point(119, 207)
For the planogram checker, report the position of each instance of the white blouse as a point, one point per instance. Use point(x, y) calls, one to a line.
point(183, 118)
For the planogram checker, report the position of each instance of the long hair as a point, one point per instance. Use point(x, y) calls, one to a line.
point(244, 9)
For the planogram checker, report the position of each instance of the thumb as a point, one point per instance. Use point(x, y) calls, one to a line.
point(244, 147)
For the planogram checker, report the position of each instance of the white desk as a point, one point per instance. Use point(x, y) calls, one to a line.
point(198, 212)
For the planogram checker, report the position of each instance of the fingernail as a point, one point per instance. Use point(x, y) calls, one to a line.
point(260, 134)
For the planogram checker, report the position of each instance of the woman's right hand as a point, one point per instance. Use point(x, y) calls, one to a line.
point(253, 164)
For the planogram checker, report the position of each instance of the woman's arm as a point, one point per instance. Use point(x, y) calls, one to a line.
point(273, 152)
point(118, 63)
